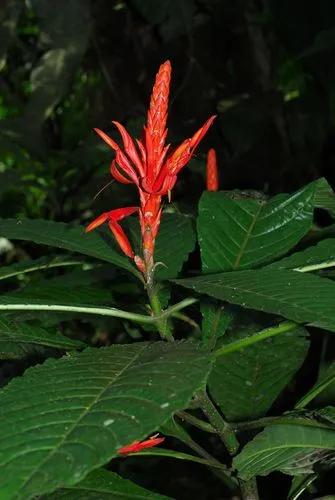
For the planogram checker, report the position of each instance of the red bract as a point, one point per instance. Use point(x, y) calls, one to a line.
point(212, 174)
point(147, 164)
point(140, 445)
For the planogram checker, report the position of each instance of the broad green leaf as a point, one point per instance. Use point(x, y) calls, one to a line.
point(245, 383)
point(316, 257)
point(104, 485)
point(292, 449)
point(98, 244)
point(215, 321)
point(83, 407)
point(324, 196)
point(175, 240)
point(17, 340)
point(44, 263)
point(301, 297)
point(245, 233)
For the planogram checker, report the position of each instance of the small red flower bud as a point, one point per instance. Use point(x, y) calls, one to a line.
point(212, 174)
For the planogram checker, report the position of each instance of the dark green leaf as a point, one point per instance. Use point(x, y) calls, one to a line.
point(104, 485)
point(17, 340)
point(245, 383)
point(301, 297)
point(44, 263)
point(292, 449)
point(215, 321)
point(324, 196)
point(315, 257)
point(244, 233)
point(68, 236)
point(83, 407)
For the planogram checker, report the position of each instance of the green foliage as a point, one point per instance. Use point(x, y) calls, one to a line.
point(301, 297)
point(239, 233)
point(292, 449)
point(245, 383)
point(101, 400)
point(104, 485)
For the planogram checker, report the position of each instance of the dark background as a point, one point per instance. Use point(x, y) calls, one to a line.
point(265, 67)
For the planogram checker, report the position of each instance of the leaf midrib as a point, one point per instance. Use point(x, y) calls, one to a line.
point(247, 237)
point(86, 411)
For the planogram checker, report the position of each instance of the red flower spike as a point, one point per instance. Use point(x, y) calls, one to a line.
point(147, 164)
point(212, 174)
point(140, 445)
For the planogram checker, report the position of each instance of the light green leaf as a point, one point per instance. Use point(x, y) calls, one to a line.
point(245, 233)
point(44, 263)
point(292, 449)
point(320, 256)
point(301, 297)
point(17, 340)
point(70, 237)
point(83, 407)
point(245, 383)
point(104, 485)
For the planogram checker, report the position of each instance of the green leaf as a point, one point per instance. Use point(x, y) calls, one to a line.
point(104, 485)
point(316, 257)
point(245, 233)
point(70, 237)
point(215, 321)
point(325, 382)
point(292, 449)
point(44, 263)
point(83, 407)
point(301, 297)
point(245, 383)
point(324, 196)
point(17, 340)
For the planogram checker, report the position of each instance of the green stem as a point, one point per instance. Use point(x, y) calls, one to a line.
point(161, 322)
point(281, 420)
point(103, 311)
point(249, 489)
point(286, 326)
point(315, 267)
point(196, 422)
point(222, 427)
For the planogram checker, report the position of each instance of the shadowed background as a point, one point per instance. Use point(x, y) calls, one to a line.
point(265, 67)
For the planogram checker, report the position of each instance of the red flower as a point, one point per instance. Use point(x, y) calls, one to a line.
point(212, 174)
point(146, 164)
point(141, 445)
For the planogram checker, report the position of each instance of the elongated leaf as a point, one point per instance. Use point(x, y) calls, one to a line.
point(83, 407)
point(28, 266)
point(244, 233)
point(301, 297)
point(68, 236)
point(19, 339)
point(292, 449)
point(104, 485)
point(318, 256)
point(327, 381)
point(46, 292)
point(245, 383)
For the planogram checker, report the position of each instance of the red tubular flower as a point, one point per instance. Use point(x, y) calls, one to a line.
point(212, 173)
point(141, 445)
point(147, 164)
